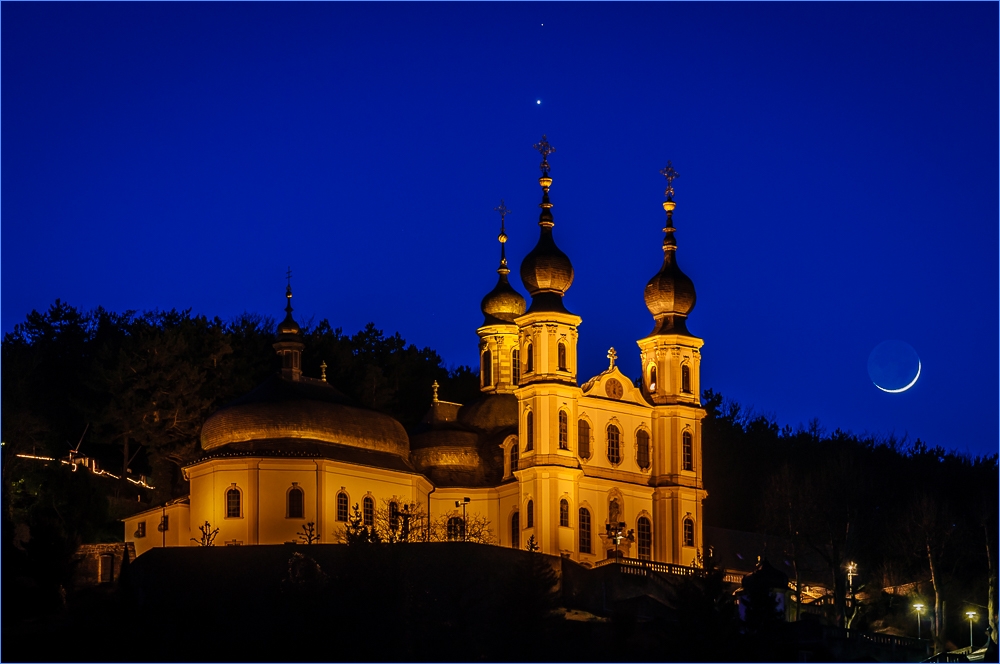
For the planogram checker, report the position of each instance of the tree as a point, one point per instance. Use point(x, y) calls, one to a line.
point(309, 534)
point(399, 521)
point(532, 545)
point(356, 533)
point(208, 535)
point(477, 528)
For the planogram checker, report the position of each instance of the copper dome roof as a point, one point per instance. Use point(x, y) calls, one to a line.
point(308, 410)
point(670, 294)
point(502, 304)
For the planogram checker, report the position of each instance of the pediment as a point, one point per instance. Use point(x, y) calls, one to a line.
point(613, 384)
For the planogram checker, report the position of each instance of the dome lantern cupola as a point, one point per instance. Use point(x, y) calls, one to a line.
point(289, 344)
point(502, 304)
point(670, 294)
point(546, 271)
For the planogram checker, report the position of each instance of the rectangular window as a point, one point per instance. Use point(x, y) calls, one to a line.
point(583, 439)
point(563, 430)
point(688, 451)
point(642, 454)
point(515, 366)
point(107, 570)
point(584, 530)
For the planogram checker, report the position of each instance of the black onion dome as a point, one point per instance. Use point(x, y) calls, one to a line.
point(288, 329)
point(670, 294)
point(546, 269)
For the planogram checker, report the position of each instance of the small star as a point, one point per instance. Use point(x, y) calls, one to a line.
point(538, 101)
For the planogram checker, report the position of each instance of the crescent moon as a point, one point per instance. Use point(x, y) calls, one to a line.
point(902, 389)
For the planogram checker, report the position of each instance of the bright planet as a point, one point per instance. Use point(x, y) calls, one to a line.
point(894, 366)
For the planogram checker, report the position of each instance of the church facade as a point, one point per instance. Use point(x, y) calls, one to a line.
point(607, 468)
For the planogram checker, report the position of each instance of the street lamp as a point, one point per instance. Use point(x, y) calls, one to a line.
point(971, 615)
point(464, 502)
point(616, 533)
point(918, 608)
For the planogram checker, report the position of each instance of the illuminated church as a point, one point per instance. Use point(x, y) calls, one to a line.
point(584, 471)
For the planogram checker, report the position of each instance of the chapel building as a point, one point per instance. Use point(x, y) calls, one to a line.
point(585, 471)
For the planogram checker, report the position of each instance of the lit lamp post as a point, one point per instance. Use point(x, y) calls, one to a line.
point(918, 608)
point(852, 571)
point(464, 502)
point(616, 533)
point(971, 615)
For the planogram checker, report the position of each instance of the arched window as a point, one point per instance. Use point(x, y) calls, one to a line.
point(233, 503)
point(342, 506)
point(487, 368)
point(456, 529)
point(687, 449)
point(531, 514)
point(530, 359)
point(686, 379)
point(614, 445)
point(529, 434)
point(688, 532)
point(561, 355)
point(644, 534)
point(584, 530)
point(652, 379)
point(368, 510)
point(393, 516)
point(296, 502)
point(642, 453)
point(583, 438)
point(515, 366)
point(563, 430)
point(564, 513)
point(513, 456)
point(515, 530)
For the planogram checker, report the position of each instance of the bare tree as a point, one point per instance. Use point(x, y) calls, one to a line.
point(208, 535)
point(398, 520)
point(309, 534)
point(477, 528)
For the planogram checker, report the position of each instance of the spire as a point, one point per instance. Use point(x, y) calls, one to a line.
point(670, 294)
point(502, 304)
point(289, 343)
point(546, 271)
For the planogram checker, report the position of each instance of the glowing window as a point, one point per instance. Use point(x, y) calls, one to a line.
point(529, 434)
point(530, 359)
point(614, 445)
point(561, 355)
point(531, 514)
point(487, 369)
point(393, 516)
point(688, 532)
point(515, 530)
point(296, 502)
point(685, 379)
point(652, 379)
point(456, 529)
point(513, 456)
point(583, 439)
point(644, 532)
point(687, 449)
point(341, 506)
point(563, 430)
point(368, 511)
point(515, 366)
point(564, 513)
point(584, 530)
point(233, 510)
point(642, 453)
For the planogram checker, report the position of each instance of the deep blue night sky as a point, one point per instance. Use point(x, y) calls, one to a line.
point(838, 187)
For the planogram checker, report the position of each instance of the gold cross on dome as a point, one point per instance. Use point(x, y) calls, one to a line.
point(612, 356)
point(504, 211)
point(671, 175)
point(544, 149)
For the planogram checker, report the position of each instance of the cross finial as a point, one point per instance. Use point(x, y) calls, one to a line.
point(612, 356)
point(671, 175)
point(289, 276)
point(434, 389)
point(322, 370)
point(544, 149)
point(502, 209)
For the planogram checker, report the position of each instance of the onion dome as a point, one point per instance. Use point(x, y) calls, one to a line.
point(288, 329)
point(502, 304)
point(670, 295)
point(546, 271)
point(307, 416)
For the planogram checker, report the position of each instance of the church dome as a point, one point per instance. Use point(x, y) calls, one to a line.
point(670, 294)
point(288, 329)
point(502, 304)
point(283, 413)
point(546, 271)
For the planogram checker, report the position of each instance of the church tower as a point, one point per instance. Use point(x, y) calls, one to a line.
point(289, 344)
point(671, 362)
point(547, 393)
point(499, 354)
